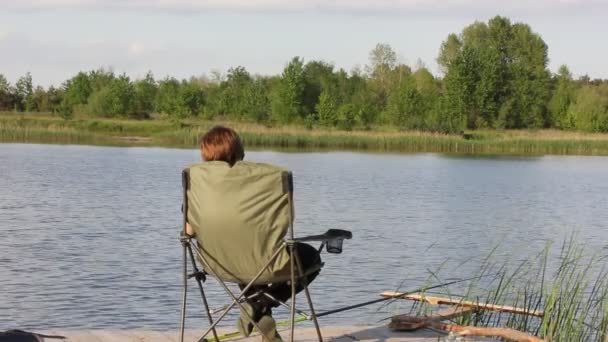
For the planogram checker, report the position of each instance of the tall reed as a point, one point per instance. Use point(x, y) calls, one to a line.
point(568, 283)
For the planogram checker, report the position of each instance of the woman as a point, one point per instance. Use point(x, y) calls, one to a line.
point(223, 144)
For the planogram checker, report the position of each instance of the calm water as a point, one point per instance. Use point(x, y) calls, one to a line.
point(89, 234)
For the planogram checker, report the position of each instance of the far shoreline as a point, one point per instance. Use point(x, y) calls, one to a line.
point(84, 130)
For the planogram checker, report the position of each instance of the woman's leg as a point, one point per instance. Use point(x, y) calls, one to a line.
point(310, 258)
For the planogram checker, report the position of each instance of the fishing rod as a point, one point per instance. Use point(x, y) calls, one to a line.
point(370, 302)
point(303, 318)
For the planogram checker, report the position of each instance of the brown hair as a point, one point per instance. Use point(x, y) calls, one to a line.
point(221, 143)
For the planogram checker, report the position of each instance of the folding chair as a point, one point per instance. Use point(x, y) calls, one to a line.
point(243, 222)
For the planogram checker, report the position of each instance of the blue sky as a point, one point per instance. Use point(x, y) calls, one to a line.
point(54, 39)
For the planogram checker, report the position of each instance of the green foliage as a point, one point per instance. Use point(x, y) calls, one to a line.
point(6, 98)
point(318, 75)
point(114, 99)
point(77, 90)
point(590, 110)
point(179, 99)
point(236, 93)
point(326, 110)
point(404, 107)
point(563, 97)
point(145, 94)
point(256, 104)
point(288, 96)
point(24, 91)
point(347, 117)
point(494, 76)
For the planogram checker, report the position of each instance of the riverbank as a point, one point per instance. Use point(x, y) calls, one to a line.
point(45, 128)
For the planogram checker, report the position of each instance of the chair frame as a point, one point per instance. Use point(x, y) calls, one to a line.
point(296, 274)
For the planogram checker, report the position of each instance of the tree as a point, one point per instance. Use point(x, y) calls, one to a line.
point(77, 90)
point(238, 82)
point(449, 51)
point(114, 99)
point(192, 99)
point(562, 98)
point(382, 60)
point(6, 98)
point(24, 90)
point(346, 117)
point(168, 99)
point(318, 75)
point(496, 75)
point(404, 106)
point(326, 110)
point(287, 97)
point(256, 101)
point(145, 93)
point(590, 110)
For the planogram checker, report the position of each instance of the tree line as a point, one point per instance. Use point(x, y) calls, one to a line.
point(494, 75)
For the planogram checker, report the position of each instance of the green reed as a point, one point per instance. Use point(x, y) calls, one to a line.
point(570, 285)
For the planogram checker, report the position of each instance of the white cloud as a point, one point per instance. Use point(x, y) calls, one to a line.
point(356, 6)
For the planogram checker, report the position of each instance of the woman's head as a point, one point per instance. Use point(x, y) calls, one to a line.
point(221, 143)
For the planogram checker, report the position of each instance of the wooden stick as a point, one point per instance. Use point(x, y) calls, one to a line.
point(409, 323)
point(464, 303)
point(509, 334)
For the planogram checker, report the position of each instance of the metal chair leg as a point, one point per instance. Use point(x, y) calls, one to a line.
point(313, 314)
point(200, 287)
point(184, 294)
point(293, 294)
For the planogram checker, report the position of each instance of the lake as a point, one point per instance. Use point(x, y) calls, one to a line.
point(90, 234)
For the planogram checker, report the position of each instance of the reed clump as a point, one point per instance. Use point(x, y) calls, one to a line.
point(569, 284)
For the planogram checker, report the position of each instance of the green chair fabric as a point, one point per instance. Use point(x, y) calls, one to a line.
point(240, 216)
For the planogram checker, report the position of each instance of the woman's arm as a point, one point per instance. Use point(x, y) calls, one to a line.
point(189, 230)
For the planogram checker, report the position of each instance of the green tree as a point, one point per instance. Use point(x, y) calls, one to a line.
point(318, 75)
point(77, 90)
point(192, 98)
point(168, 98)
point(326, 110)
point(6, 98)
point(256, 101)
point(562, 98)
point(24, 91)
point(100, 78)
point(382, 61)
point(448, 52)
point(115, 99)
point(590, 110)
point(346, 116)
point(404, 106)
point(288, 93)
point(238, 83)
point(496, 75)
point(145, 94)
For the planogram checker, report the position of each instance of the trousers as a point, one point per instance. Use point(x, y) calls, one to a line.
point(310, 258)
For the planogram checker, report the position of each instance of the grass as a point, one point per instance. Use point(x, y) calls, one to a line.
point(45, 128)
point(568, 283)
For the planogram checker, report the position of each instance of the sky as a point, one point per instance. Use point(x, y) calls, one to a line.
point(55, 39)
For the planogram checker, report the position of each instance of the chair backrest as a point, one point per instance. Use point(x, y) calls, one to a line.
point(240, 215)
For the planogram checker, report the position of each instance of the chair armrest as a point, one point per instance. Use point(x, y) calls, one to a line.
point(329, 235)
point(332, 240)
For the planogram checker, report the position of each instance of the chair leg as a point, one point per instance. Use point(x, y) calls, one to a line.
point(293, 294)
point(202, 291)
point(236, 299)
point(313, 314)
point(184, 295)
